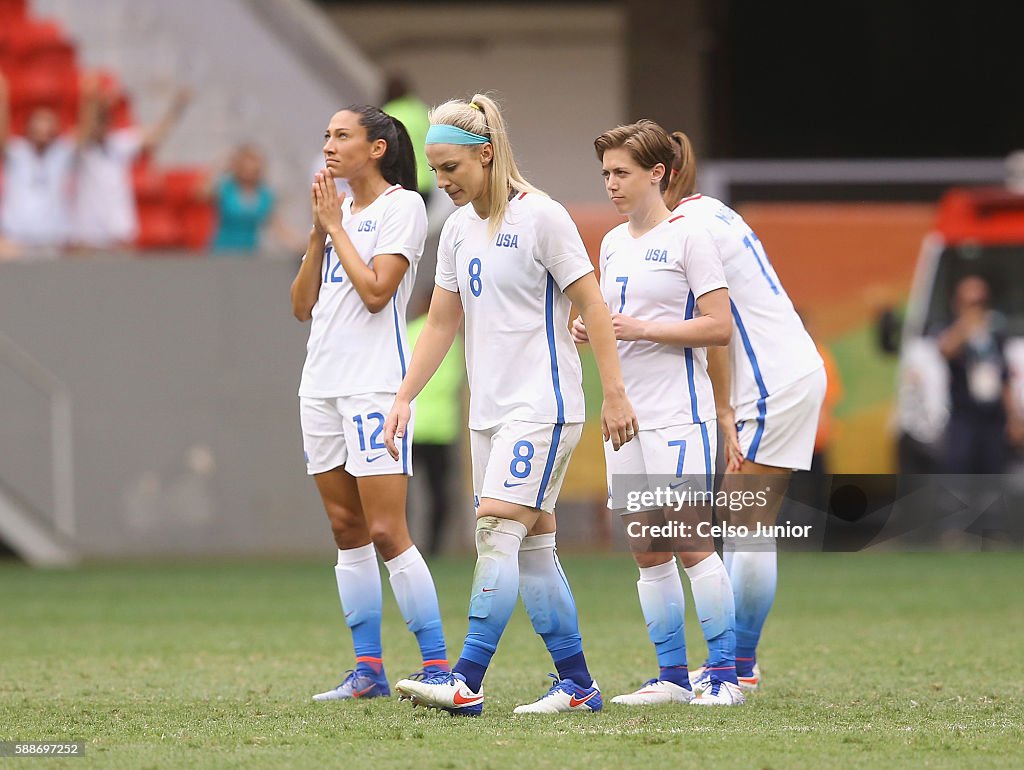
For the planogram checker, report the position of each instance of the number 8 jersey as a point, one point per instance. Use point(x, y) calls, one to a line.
point(520, 358)
point(350, 349)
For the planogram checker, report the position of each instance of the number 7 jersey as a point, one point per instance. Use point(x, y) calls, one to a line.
point(658, 277)
point(520, 358)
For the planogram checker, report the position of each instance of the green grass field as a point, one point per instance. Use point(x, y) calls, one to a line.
point(908, 660)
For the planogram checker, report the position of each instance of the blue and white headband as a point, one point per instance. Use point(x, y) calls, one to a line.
point(445, 134)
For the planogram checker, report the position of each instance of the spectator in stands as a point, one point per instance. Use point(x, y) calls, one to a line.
point(245, 204)
point(103, 213)
point(438, 422)
point(983, 419)
point(400, 102)
point(36, 183)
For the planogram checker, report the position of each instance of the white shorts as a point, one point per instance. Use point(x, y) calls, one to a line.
point(659, 456)
point(522, 462)
point(779, 430)
point(349, 431)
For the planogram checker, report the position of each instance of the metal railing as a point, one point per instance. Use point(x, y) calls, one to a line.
point(44, 381)
point(716, 178)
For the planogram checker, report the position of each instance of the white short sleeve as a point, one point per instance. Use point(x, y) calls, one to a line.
point(126, 143)
point(559, 245)
point(444, 275)
point(702, 263)
point(403, 227)
point(602, 257)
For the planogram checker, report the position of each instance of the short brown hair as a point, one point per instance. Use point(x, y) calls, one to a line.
point(646, 141)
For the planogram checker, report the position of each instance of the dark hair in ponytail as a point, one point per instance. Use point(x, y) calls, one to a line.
point(685, 167)
point(398, 165)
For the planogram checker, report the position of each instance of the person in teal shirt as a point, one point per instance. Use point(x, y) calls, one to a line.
point(245, 205)
point(438, 423)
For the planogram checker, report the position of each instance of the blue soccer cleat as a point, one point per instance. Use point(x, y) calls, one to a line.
point(443, 690)
point(358, 683)
point(565, 695)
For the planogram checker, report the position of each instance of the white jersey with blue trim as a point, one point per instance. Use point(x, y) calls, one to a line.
point(350, 349)
point(520, 358)
point(658, 277)
point(770, 346)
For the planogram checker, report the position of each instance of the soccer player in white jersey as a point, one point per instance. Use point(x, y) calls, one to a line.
point(354, 283)
point(664, 284)
point(775, 381)
point(510, 261)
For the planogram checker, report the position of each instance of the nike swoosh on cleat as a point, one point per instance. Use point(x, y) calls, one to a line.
point(675, 486)
point(349, 613)
point(509, 486)
point(361, 693)
point(375, 457)
point(705, 620)
point(488, 590)
point(574, 702)
point(460, 700)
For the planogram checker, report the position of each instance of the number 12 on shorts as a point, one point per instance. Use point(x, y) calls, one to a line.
point(374, 442)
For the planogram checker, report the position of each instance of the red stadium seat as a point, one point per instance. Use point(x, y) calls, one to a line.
point(13, 12)
point(57, 89)
point(198, 220)
point(159, 226)
point(148, 182)
point(184, 184)
point(40, 45)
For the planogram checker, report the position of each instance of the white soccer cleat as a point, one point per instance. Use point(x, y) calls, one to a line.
point(750, 683)
point(358, 684)
point(747, 683)
point(444, 690)
point(564, 696)
point(714, 692)
point(655, 692)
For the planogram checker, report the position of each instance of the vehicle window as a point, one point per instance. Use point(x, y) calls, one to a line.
point(1001, 266)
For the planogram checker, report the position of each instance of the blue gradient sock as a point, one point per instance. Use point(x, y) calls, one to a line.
point(754, 576)
point(664, 604)
point(417, 599)
point(494, 597)
point(359, 589)
point(713, 601)
point(679, 675)
point(551, 607)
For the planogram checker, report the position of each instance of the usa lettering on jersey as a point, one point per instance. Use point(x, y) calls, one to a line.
point(367, 226)
point(656, 255)
point(508, 240)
